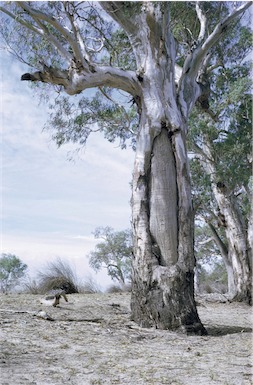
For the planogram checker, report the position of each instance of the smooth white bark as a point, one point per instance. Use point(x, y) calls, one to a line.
point(235, 230)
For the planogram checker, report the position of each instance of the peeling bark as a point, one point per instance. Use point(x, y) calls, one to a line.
point(75, 80)
point(163, 201)
point(163, 265)
point(163, 278)
point(239, 250)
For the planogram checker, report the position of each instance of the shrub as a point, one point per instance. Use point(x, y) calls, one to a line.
point(119, 289)
point(31, 286)
point(214, 280)
point(58, 275)
point(114, 289)
point(12, 270)
point(90, 286)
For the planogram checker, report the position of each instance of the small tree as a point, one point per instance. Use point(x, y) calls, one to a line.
point(12, 269)
point(114, 253)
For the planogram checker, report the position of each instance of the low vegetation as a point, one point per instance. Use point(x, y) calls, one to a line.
point(58, 274)
point(12, 270)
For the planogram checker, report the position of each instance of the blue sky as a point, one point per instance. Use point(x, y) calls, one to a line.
point(51, 205)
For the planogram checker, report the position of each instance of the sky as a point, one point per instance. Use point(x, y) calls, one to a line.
point(53, 199)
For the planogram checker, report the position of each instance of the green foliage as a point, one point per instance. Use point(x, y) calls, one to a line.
point(12, 269)
point(20, 36)
point(120, 51)
point(114, 253)
point(214, 278)
point(185, 24)
point(218, 273)
point(206, 251)
point(74, 120)
point(106, 43)
point(211, 270)
point(228, 138)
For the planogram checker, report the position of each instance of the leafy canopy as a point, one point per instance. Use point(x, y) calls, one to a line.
point(227, 134)
point(228, 139)
point(113, 253)
point(12, 269)
point(66, 27)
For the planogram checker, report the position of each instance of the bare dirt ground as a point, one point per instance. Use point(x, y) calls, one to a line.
point(92, 341)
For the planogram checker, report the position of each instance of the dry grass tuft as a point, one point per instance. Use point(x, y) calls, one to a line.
point(58, 274)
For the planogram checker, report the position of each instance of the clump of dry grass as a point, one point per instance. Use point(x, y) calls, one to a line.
point(90, 286)
point(114, 289)
point(31, 286)
point(58, 274)
point(119, 289)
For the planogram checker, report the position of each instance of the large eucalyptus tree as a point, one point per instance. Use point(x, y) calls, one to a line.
point(72, 44)
point(222, 166)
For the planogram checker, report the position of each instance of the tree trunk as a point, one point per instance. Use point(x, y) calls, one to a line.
point(250, 227)
point(238, 248)
point(236, 233)
point(163, 265)
point(163, 278)
point(226, 259)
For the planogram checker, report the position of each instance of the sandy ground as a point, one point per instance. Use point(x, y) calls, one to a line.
point(92, 341)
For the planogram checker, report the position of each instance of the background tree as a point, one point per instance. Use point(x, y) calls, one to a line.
point(165, 79)
point(114, 253)
point(221, 168)
point(12, 270)
point(209, 262)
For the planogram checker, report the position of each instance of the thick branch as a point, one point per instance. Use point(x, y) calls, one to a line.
point(221, 245)
point(205, 157)
point(49, 75)
point(108, 76)
point(75, 81)
point(80, 46)
point(36, 14)
point(195, 60)
point(221, 27)
point(202, 20)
